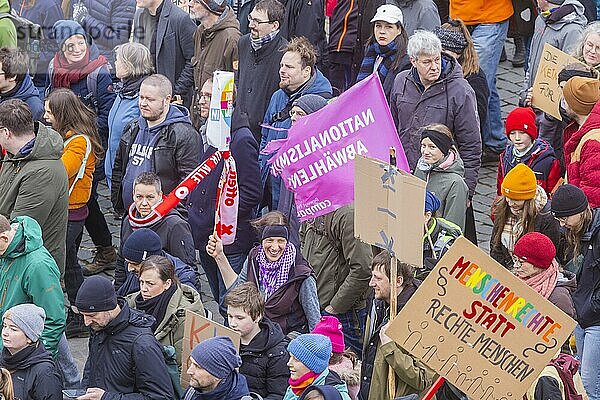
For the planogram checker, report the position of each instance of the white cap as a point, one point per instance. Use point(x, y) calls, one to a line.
point(388, 13)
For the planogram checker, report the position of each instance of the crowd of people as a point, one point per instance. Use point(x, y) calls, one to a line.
point(119, 93)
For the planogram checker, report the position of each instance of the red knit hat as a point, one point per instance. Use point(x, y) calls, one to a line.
point(535, 248)
point(522, 119)
point(332, 328)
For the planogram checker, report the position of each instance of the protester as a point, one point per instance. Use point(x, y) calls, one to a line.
point(163, 127)
point(525, 147)
point(163, 297)
point(167, 31)
point(457, 41)
point(380, 352)
point(133, 63)
point(588, 47)
point(523, 207)
point(15, 82)
point(215, 42)
point(442, 168)
point(33, 372)
point(263, 345)
point(33, 276)
point(173, 229)
point(32, 177)
point(298, 76)
point(341, 263)
point(536, 266)
point(582, 148)
point(308, 365)
point(386, 49)
point(450, 101)
point(570, 206)
point(139, 246)
point(76, 123)
point(260, 53)
point(439, 234)
point(488, 25)
point(212, 371)
point(283, 276)
point(124, 357)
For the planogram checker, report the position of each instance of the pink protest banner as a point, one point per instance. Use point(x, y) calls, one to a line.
point(316, 161)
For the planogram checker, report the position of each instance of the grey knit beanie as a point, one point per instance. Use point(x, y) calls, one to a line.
point(309, 103)
point(29, 318)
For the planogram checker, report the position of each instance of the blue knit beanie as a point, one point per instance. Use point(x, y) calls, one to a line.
point(217, 355)
point(64, 29)
point(141, 244)
point(432, 203)
point(312, 350)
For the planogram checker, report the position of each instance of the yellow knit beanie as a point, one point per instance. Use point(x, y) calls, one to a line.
point(519, 183)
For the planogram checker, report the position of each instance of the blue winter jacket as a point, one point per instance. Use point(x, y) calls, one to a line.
point(30, 95)
point(317, 84)
point(124, 109)
point(44, 13)
point(108, 23)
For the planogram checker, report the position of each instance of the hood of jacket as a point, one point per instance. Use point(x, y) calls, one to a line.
point(592, 122)
point(4, 6)
point(176, 113)
point(571, 11)
point(48, 145)
point(445, 165)
point(27, 357)
point(269, 336)
point(568, 280)
point(27, 238)
point(24, 91)
point(227, 20)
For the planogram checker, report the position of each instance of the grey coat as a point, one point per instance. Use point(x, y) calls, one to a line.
point(419, 14)
point(449, 101)
point(448, 184)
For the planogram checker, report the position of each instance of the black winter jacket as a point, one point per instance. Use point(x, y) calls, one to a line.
point(126, 361)
point(587, 295)
point(176, 154)
point(307, 18)
point(34, 374)
point(257, 79)
point(479, 84)
point(202, 201)
point(264, 362)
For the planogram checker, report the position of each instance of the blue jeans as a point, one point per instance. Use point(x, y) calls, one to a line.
point(588, 352)
point(66, 365)
point(489, 41)
point(353, 324)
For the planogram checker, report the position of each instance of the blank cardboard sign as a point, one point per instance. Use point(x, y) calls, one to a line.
point(388, 209)
point(197, 329)
point(479, 326)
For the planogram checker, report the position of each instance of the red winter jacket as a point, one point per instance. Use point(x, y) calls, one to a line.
point(582, 157)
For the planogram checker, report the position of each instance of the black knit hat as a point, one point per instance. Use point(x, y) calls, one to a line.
point(275, 231)
point(568, 200)
point(141, 244)
point(96, 294)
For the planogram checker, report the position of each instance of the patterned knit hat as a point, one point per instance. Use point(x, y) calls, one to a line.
point(520, 183)
point(216, 7)
point(312, 350)
point(452, 40)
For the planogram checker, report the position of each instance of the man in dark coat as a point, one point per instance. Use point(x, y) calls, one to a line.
point(260, 53)
point(168, 32)
point(124, 360)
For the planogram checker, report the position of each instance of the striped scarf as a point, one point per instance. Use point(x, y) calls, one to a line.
point(274, 274)
point(261, 41)
point(388, 53)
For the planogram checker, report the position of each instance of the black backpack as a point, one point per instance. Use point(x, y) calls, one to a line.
point(29, 35)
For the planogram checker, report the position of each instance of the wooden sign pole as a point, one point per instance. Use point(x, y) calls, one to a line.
point(393, 312)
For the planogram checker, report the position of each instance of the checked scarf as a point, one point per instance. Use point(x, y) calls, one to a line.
point(388, 53)
point(274, 274)
point(261, 41)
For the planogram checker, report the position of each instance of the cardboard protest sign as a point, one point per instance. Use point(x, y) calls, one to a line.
point(218, 126)
point(388, 209)
point(479, 326)
point(316, 160)
point(197, 329)
point(546, 90)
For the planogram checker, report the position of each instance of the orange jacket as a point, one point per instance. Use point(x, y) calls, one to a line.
point(72, 158)
point(474, 12)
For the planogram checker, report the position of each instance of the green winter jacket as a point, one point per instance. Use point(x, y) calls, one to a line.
point(8, 32)
point(170, 330)
point(342, 263)
point(29, 275)
point(446, 179)
point(36, 185)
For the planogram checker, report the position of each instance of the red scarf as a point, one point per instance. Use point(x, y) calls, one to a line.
point(66, 74)
point(299, 385)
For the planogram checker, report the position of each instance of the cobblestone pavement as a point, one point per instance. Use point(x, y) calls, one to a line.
point(509, 82)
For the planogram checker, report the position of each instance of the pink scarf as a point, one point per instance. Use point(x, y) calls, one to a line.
point(545, 282)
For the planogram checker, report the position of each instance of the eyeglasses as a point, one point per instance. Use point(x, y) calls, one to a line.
point(299, 113)
point(590, 46)
point(256, 21)
point(562, 220)
point(204, 96)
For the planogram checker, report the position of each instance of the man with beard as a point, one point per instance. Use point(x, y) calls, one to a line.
point(260, 54)
point(161, 140)
point(298, 76)
point(125, 360)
